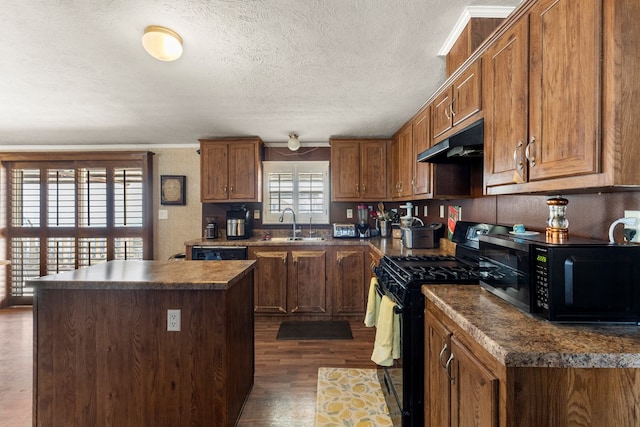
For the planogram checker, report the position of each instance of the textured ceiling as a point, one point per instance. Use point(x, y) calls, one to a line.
point(73, 72)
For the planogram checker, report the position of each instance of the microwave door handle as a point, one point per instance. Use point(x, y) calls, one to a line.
point(568, 281)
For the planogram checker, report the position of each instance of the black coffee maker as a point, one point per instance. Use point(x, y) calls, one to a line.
point(239, 223)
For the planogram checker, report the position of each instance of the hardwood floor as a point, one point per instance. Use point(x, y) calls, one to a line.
point(284, 391)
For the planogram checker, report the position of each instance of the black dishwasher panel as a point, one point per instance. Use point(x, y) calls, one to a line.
point(218, 253)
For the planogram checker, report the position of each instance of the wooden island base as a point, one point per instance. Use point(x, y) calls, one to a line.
point(104, 357)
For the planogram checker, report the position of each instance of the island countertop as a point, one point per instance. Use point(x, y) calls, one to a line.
point(150, 275)
point(518, 339)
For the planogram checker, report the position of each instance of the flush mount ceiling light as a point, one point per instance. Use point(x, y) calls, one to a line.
point(162, 43)
point(294, 142)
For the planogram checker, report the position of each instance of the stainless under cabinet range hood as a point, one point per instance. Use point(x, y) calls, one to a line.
point(466, 144)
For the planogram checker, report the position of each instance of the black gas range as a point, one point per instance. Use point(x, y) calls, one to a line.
point(401, 278)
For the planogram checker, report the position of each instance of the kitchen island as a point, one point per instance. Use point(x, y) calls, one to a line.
point(488, 363)
point(103, 354)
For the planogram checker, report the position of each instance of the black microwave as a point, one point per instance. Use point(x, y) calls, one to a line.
point(578, 280)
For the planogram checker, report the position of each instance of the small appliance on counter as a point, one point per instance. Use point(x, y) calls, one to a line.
point(239, 223)
point(363, 221)
point(344, 230)
point(422, 237)
point(211, 230)
point(577, 280)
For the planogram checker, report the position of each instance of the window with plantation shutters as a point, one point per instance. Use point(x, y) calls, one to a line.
point(301, 186)
point(70, 213)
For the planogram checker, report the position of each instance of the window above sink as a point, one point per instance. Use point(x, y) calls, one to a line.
point(302, 186)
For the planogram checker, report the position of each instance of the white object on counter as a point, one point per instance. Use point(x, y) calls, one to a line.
point(625, 221)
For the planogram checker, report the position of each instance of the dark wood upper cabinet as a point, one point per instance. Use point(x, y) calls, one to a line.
point(231, 170)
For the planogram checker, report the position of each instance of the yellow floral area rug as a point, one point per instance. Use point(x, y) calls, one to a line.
point(349, 397)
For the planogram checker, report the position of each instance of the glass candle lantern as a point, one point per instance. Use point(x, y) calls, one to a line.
point(557, 222)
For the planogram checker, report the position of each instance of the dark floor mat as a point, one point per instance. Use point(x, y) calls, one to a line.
point(314, 330)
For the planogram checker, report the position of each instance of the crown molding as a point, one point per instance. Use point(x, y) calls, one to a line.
point(468, 13)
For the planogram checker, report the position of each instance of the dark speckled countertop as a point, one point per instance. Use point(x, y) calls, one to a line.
point(384, 246)
point(149, 275)
point(518, 339)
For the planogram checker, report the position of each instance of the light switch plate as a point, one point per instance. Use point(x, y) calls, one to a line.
point(163, 214)
point(349, 213)
point(256, 214)
point(633, 214)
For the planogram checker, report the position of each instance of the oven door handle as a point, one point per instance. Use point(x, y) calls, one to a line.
point(399, 307)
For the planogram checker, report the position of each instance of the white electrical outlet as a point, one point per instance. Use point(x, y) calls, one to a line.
point(349, 213)
point(425, 211)
point(441, 211)
point(173, 320)
point(256, 214)
point(634, 214)
point(415, 210)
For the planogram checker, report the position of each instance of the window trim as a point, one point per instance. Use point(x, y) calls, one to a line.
point(296, 167)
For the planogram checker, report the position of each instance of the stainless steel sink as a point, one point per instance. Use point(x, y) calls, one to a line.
point(295, 239)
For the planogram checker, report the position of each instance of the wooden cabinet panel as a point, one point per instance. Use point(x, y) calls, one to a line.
point(244, 182)
point(345, 170)
point(473, 35)
point(457, 104)
point(271, 280)
point(214, 175)
point(104, 357)
point(307, 288)
point(289, 280)
point(230, 170)
point(466, 94)
point(506, 76)
point(544, 95)
point(421, 142)
point(459, 390)
point(358, 169)
point(564, 113)
point(373, 167)
point(441, 116)
point(474, 397)
point(349, 284)
point(437, 390)
point(403, 163)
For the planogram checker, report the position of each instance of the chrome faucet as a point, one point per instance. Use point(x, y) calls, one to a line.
point(293, 214)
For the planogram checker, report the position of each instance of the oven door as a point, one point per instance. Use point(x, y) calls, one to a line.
point(391, 377)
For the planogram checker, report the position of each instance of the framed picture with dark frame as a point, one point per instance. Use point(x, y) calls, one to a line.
point(172, 190)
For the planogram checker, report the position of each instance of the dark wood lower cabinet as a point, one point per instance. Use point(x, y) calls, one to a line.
point(308, 282)
point(349, 281)
point(105, 357)
point(271, 280)
point(324, 281)
point(466, 386)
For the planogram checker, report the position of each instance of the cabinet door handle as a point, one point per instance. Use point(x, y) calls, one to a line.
point(442, 352)
point(453, 113)
point(232, 189)
point(527, 152)
point(517, 159)
point(358, 188)
point(446, 112)
point(448, 369)
point(225, 189)
point(364, 188)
